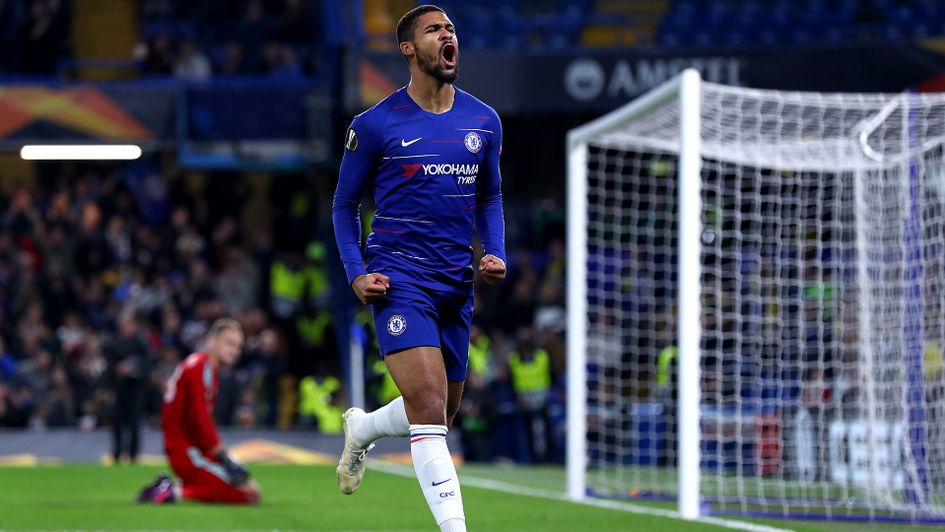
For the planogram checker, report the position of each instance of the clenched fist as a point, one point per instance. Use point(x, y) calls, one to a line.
point(371, 287)
point(492, 269)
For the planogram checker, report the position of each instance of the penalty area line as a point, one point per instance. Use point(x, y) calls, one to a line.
point(505, 487)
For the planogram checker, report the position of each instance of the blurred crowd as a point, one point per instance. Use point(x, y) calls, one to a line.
point(94, 292)
point(286, 39)
point(101, 296)
point(278, 39)
point(198, 40)
point(34, 35)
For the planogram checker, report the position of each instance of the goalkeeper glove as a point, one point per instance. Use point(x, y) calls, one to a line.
point(237, 471)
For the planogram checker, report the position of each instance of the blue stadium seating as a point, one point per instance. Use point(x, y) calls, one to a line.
point(799, 23)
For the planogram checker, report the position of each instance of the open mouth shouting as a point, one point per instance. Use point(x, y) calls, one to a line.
point(449, 53)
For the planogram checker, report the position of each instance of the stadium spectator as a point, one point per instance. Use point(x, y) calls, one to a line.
point(513, 446)
point(266, 362)
point(481, 360)
point(87, 375)
point(36, 373)
point(279, 61)
point(530, 371)
point(817, 399)
point(167, 358)
point(170, 331)
point(320, 401)
point(666, 376)
point(476, 419)
point(520, 309)
point(255, 28)
point(287, 287)
point(158, 56)
point(92, 253)
point(16, 405)
point(236, 283)
point(232, 60)
point(22, 217)
point(129, 363)
point(60, 408)
point(191, 62)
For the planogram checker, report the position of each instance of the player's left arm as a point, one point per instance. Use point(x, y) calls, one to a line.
point(202, 430)
point(490, 218)
point(238, 473)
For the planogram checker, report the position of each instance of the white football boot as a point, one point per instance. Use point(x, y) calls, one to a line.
point(351, 466)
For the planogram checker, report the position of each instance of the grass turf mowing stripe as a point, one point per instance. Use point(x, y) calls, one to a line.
point(495, 485)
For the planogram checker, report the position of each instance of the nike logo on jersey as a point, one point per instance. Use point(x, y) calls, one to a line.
point(404, 143)
point(442, 481)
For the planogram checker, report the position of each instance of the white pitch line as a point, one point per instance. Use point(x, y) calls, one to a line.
point(505, 487)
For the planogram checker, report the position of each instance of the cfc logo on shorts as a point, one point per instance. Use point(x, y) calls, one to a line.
point(396, 325)
point(473, 142)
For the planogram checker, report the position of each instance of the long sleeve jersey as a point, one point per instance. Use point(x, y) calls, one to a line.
point(187, 415)
point(434, 179)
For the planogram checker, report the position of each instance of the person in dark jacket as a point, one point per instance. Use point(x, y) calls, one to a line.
point(129, 362)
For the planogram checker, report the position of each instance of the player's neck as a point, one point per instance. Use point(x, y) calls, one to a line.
point(431, 94)
point(213, 359)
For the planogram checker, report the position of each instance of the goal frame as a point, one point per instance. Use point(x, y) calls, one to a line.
point(686, 88)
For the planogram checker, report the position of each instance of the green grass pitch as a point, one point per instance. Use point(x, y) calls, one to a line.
point(299, 497)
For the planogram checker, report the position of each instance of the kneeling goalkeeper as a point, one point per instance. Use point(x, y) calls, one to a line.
point(196, 454)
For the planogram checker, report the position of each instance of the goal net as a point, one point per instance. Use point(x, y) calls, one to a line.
point(757, 311)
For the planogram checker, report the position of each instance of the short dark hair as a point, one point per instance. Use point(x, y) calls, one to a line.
point(407, 24)
point(224, 323)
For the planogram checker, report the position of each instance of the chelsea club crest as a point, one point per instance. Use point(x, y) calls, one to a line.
point(396, 325)
point(473, 142)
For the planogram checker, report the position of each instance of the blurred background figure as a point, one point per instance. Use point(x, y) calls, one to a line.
point(530, 371)
point(321, 401)
point(129, 359)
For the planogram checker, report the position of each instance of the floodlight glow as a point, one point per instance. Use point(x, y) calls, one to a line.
point(80, 152)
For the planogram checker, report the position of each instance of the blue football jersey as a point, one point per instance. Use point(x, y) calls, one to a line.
point(434, 178)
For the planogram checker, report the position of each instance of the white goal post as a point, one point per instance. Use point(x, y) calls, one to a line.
point(756, 303)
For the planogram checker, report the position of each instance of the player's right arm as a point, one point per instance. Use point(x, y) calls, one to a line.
point(358, 169)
